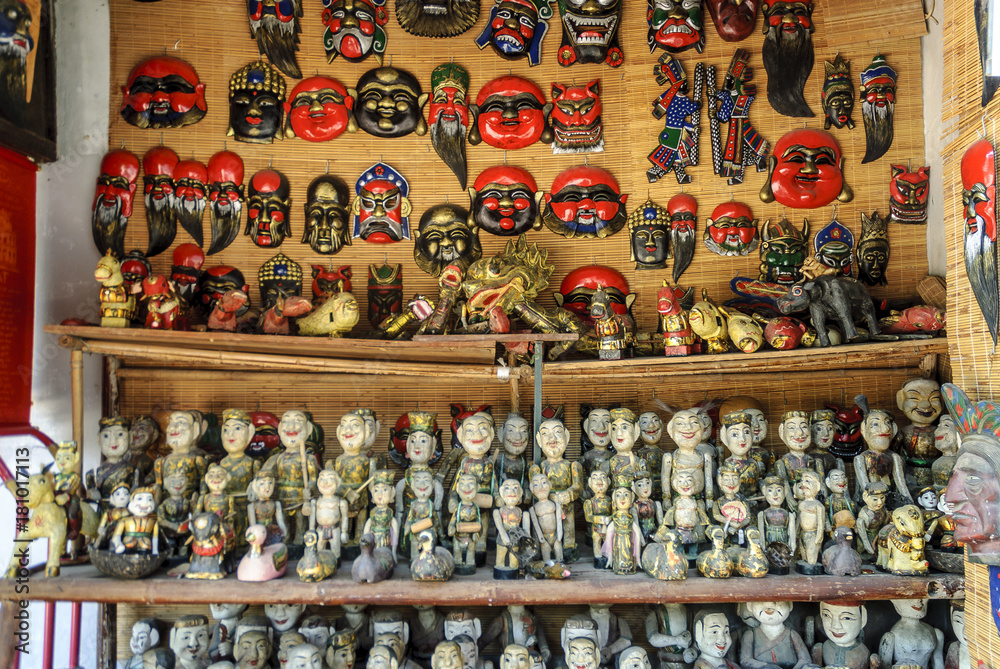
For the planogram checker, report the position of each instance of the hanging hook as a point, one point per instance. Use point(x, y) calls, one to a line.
point(983, 121)
point(123, 141)
point(835, 212)
point(176, 45)
point(328, 166)
point(385, 258)
point(225, 145)
point(161, 139)
point(270, 161)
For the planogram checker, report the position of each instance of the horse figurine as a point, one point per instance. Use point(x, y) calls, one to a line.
point(611, 329)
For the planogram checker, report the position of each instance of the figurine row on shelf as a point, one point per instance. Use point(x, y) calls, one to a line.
point(754, 635)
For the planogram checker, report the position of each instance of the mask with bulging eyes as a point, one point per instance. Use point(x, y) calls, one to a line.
point(590, 32)
point(381, 209)
point(268, 205)
point(675, 25)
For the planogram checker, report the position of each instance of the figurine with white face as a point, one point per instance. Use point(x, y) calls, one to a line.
point(582, 653)
point(758, 424)
point(877, 463)
point(958, 652)
point(145, 635)
point(510, 463)
point(287, 468)
point(189, 641)
point(595, 439)
point(736, 434)
point(507, 517)
point(227, 615)
point(946, 441)
point(475, 433)
point(421, 444)
point(341, 649)
point(470, 653)
point(650, 432)
point(687, 431)
point(117, 467)
point(840, 507)
point(634, 657)
point(812, 522)
point(447, 655)
point(772, 644)
point(304, 656)
point(253, 649)
point(284, 617)
point(355, 469)
point(713, 638)
point(624, 434)
point(794, 431)
point(911, 641)
point(565, 479)
point(920, 401)
point(517, 628)
point(515, 656)
point(823, 430)
point(667, 631)
point(843, 621)
point(775, 522)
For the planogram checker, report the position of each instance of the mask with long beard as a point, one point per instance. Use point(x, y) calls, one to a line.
point(437, 18)
point(979, 199)
point(381, 208)
point(327, 204)
point(225, 198)
point(113, 201)
point(788, 55)
point(449, 116)
point(445, 237)
point(873, 249)
point(15, 45)
point(878, 103)
point(189, 197)
point(585, 202)
point(683, 211)
point(275, 26)
point(158, 195)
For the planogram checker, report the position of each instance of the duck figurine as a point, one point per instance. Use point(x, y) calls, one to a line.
point(666, 560)
point(262, 563)
point(841, 559)
point(374, 564)
point(433, 563)
point(715, 562)
point(752, 563)
point(315, 564)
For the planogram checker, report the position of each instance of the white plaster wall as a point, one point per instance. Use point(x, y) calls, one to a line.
point(932, 79)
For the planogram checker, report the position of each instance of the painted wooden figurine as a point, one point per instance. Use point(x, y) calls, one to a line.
point(216, 501)
point(901, 544)
point(117, 510)
point(687, 431)
point(182, 433)
point(597, 512)
point(772, 644)
point(612, 332)
point(565, 480)
point(871, 519)
point(174, 514)
point(823, 430)
point(775, 522)
point(355, 469)
point(512, 524)
point(373, 563)
point(920, 401)
point(686, 513)
point(651, 432)
point(475, 434)
point(138, 533)
point(382, 523)
point(48, 519)
point(649, 513)
point(811, 522)
point(189, 641)
point(66, 485)
point(117, 468)
point(265, 511)
point(958, 651)
point(912, 642)
point(877, 463)
point(758, 424)
point(421, 516)
point(751, 561)
point(678, 338)
point(794, 431)
point(328, 513)
point(211, 548)
point(664, 558)
point(623, 540)
point(841, 559)
point(840, 507)
point(261, 563)
point(946, 441)
point(466, 524)
point(713, 639)
point(716, 561)
point(731, 510)
point(421, 444)
point(843, 621)
point(624, 431)
point(315, 565)
point(117, 305)
point(510, 463)
point(736, 434)
point(595, 439)
point(547, 519)
point(237, 431)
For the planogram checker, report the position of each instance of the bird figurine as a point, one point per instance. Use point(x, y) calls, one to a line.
point(333, 318)
point(549, 570)
point(715, 562)
point(315, 564)
point(665, 560)
point(752, 562)
point(433, 563)
point(262, 563)
point(374, 564)
point(841, 559)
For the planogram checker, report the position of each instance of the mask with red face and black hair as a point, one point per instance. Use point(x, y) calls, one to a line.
point(788, 54)
point(578, 288)
point(275, 26)
point(135, 268)
point(516, 29)
point(158, 196)
point(847, 442)
point(225, 198)
point(585, 202)
point(675, 25)
point(190, 190)
point(163, 92)
point(510, 113)
point(979, 197)
point(268, 205)
point(908, 193)
point(732, 230)
point(214, 282)
point(683, 209)
point(505, 201)
point(265, 438)
point(806, 171)
point(320, 109)
point(186, 270)
point(576, 118)
point(354, 29)
point(734, 19)
point(113, 201)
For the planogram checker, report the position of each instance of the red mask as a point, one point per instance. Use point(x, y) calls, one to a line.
point(908, 195)
point(683, 210)
point(505, 201)
point(576, 118)
point(806, 171)
point(510, 114)
point(579, 286)
point(158, 169)
point(354, 29)
point(225, 198)
point(189, 196)
point(326, 282)
point(319, 109)
point(163, 92)
point(268, 205)
point(734, 20)
point(265, 439)
point(113, 200)
point(186, 271)
point(585, 202)
point(381, 208)
point(216, 282)
point(979, 183)
point(732, 230)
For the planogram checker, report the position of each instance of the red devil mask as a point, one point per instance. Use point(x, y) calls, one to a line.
point(579, 286)
point(585, 202)
point(163, 92)
point(225, 198)
point(327, 282)
point(732, 230)
point(510, 114)
point(320, 109)
point(113, 200)
point(734, 19)
point(268, 205)
point(576, 118)
point(265, 439)
point(505, 201)
point(847, 436)
point(908, 195)
point(806, 171)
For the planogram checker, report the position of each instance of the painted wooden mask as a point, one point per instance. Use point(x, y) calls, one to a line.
point(579, 286)
point(448, 116)
point(908, 192)
point(516, 29)
point(734, 19)
point(381, 209)
point(585, 202)
point(878, 104)
point(275, 26)
point(327, 206)
point(320, 109)
point(214, 282)
point(158, 196)
point(354, 29)
point(788, 54)
point(732, 230)
point(782, 251)
point(437, 18)
point(590, 32)
point(649, 229)
point(163, 92)
point(505, 201)
point(873, 249)
point(979, 197)
point(279, 277)
point(675, 25)
point(385, 292)
point(445, 237)
point(510, 113)
point(190, 191)
point(16, 19)
point(390, 103)
point(268, 206)
point(683, 210)
point(256, 96)
point(225, 198)
point(837, 96)
point(805, 171)
point(328, 281)
point(576, 118)
point(113, 201)
point(834, 247)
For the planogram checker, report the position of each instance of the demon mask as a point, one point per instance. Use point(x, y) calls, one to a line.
point(873, 249)
point(584, 202)
point(353, 29)
point(908, 193)
point(576, 118)
point(510, 114)
point(320, 109)
point(590, 32)
point(649, 229)
point(437, 18)
point(505, 201)
point(113, 201)
point(782, 252)
point(385, 292)
point(327, 282)
point(279, 277)
point(163, 92)
point(579, 286)
point(158, 196)
point(449, 116)
point(788, 54)
point(381, 209)
point(189, 197)
point(806, 171)
point(225, 198)
point(834, 247)
point(732, 230)
point(186, 272)
point(683, 209)
point(979, 197)
point(390, 103)
point(256, 95)
point(847, 442)
point(16, 43)
point(516, 29)
point(734, 19)
point(275, 26)
point(878, 104)
point(327, 204)
point(445, 237)
point(675, 25)
point(268, 204)
point(838, 94)
point(214, 282)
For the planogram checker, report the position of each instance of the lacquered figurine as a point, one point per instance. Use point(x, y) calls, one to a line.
point(47, 519)
point(840, 507)
point(667, 631)
point(877, 463)
point(547, 520)
point(623, 540)
point(422, 515)
point(685, 513)
point(138, 533)
point(920, 401)
point(664, 557)
point(510, 463)
point(117, 467)
point(565, 479)
point(716, 562)
point(686, 430)
point(823, 430)
point(341, 649)
point(475, 434)
point(709, 324)
point(328, 513)
point(182, 434)
point(901, 545)
point(649, 513)
point(292, 468)
point(911, 641)
point(811, 523)
point(651, 432)
point(597, 511)
point(466, 526)
point(265, 511)
point(772, 644)
point(843, 622)
point(946, 442)
point(736, 433)
point(872, 518)
point(512, 525)
point(595, 439)
point(189, 640)
point(958, 656)
point(117, 509)
point(237, 431)
point(713, 640)
point(374, 563)
point(751, 561)
point(145, 635)
point(117, 304)
point(355, 468)
point(382, 523)
point(794, 431)
point(612, 632)
point(521, 628)
point(211, 548)
point(261, 563)
point(775, 522)
point(731, 510)
point(315, 565)
point(611, 330)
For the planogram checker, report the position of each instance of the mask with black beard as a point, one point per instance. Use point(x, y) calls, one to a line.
point(189, 197)
point(873, 249)
point(449, 116)
point(327, 204)
point(505, 201)
point(15, 45)
point(225, 198)
point(788, 55)
point(437, 18)
point(878, 95)
point(275, 26)
point(979, 199)
point(445, 237)
point(113, 201)
point(158, 187)
point(683, 211)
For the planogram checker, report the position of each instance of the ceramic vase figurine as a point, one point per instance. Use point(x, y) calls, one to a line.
point(772, 644)
point(901, 544)
point(547, 520)
point(262, 563)
point(597, 512)
point(877, 463)
point(513, 526)
point(565, 479)
point(716, 562)
point(841, 559)
point(811, 516)
point(843, 622)
point(466, 524)
point(920, 401)
point(911, 641)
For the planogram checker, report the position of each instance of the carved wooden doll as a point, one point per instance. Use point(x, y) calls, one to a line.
point(686, 513)
point(510, 463)
point(794, 431)
point(382, 523)
point(138, 533)
point(116, 468)
point(422, 516)
point(475, 433)
point(509, 517)
point(731, 510)
point(265, 511)
point(912, 642)
point(597, 512)
point(355, 469)
point(687, 431)
point(775, 522)
point(871, 519)
point(648, 512)
point(565, 479)
point(182, 435)
point(421, 443)
point(650, 432)
point(737, 435)
point(466, 526)
point(624, 433)
point(811, 519)
point(623, 539)
point(840, 507)
point(547, 519)
point(877, 463)
point(595, 439)
point(328, 513)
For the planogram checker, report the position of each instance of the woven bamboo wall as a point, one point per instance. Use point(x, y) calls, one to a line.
point(214, 38)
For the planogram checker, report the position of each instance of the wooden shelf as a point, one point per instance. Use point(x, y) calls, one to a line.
point(586, 584)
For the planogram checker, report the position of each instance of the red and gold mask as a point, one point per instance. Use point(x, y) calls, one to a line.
point(163, 92)
point(683, 210)
point(113, 200)
point(585, 202)
point(576, 118)
point(578, 288)
point(675, 25)
point(189, 196)
point(908, 193)
point(225, 198)
point(268, 204)
point(805, 171)
point(732, 230)
point(449, 116)
point(510, 114)
point(353, 29)
point(320, 109)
